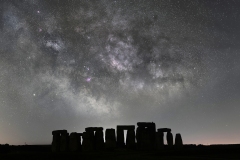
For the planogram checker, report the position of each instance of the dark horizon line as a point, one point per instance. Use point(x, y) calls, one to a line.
point(164, 144)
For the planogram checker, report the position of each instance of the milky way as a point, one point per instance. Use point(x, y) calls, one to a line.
point(74, 64)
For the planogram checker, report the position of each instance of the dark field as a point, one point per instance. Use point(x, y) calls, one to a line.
point(215, 152)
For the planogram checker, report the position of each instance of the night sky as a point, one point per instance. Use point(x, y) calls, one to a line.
point(74, 64)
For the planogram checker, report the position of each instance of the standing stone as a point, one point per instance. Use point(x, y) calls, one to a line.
point(74, 142)
point(120, 138)
point(139, 136)
point(130, 140)
point(146, 140)
point(143, 139)
point(160, 139)
point(110, 139)
point(87, 144)
point(92, 139)
point(98, 140)
point(146, 135)
point(178, 140)
point(169, 139)
point(64, 142)
point(56, 141)
point(120, 134)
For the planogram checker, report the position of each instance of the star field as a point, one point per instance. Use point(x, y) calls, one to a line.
point(76, 64)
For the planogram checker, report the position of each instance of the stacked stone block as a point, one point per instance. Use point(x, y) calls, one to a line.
point(93, 139)
point(75, 142)
point(130, 140)
point(146, 135)
point(60, 141)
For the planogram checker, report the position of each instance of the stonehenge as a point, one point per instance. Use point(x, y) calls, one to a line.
point(56, 141)
point(146, 134)
point(64, 141)
point(98, 140)
point(130, 140)
point(169, 139)
point(110, 138)
point(178, 140)
point(92, 139)
point(160, 140)
point(87, 142)
point(75, 142)
point(164, 130)
point(160, 137)
point(60, 140)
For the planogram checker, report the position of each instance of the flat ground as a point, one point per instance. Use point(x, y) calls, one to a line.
point(186, 153)
point(116, 156)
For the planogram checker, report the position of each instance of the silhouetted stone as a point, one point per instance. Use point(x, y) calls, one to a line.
point(146, 124)
point(120, 133)
point(160, 139)
point(87, 143)
point(110, 139)
point(164, 130)
point(74, 142)
point(64, 142)
point(125, 127)
point(178, 140)
point(130, 140)
point(98, 140)
point(120, 138)
point(93, 140)
point(139, 137)
point(150, 126)
point(56, 141)
point(148, 142)
point(59, 131)
point(146, 135)
point(169, 138)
